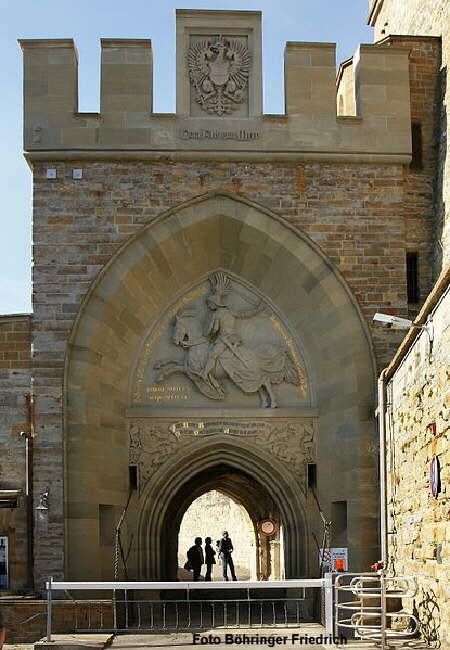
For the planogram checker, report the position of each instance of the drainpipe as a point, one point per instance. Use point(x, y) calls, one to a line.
point(383, 487)
point(29, 460)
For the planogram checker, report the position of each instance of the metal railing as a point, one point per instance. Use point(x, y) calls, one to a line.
point(156, 606)
point(367, 614)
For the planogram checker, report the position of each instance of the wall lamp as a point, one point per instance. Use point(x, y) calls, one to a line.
point(397, 323)
point(42, 508)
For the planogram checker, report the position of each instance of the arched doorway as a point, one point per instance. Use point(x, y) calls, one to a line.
point(238, 504)
point(254, 480)
point(207, 517)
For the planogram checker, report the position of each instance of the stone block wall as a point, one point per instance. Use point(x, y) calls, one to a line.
point(420, 178)
point(426, 18)
point(418, 522)
point(126, 123)
point(354, 212)
point(15, 353)
point(25, 619)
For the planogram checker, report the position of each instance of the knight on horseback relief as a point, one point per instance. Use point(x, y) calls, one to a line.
point(217, 352)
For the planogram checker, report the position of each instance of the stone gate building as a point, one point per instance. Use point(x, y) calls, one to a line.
point(204, 284)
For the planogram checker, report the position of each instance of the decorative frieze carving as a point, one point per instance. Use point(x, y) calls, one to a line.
point(152, 443)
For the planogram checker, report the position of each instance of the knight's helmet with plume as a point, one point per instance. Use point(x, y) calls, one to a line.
point(220, 288)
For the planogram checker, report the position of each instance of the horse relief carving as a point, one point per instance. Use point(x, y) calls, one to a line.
point(215, 352)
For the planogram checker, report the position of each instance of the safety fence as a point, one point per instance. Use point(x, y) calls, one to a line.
point(362, 607)
point(190, 606)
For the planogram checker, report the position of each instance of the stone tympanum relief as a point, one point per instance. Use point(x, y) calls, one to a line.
point(219, 68)
point(152, 443)
point(220, 345)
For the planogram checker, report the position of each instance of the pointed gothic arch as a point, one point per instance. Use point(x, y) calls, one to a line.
point(184, 478)
point(212, 231)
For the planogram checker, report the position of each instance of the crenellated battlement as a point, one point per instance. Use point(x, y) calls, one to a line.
point(365, 115)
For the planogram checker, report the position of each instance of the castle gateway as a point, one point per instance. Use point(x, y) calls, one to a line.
point(204, 284)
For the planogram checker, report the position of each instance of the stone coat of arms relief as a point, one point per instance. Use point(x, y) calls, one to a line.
point(219, 69)
point(216, 352)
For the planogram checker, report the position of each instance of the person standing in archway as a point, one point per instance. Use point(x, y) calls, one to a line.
point(196, 558)
point(209, 558)
point(225, 548)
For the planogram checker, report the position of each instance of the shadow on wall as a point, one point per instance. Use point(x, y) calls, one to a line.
point(440, 190)
point(428, 613)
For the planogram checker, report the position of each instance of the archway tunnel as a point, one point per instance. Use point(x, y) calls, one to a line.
point(223, 498)
point(254, 481)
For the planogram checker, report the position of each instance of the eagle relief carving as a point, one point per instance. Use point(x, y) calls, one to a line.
point(219, 68)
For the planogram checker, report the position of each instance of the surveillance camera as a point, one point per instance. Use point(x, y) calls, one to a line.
point(394, 322)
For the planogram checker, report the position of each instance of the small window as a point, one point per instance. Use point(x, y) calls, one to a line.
point(339, 523)
point(4, 563)
point(412, 277)
point(312, 475)
point(416, 138)
point(132, 477)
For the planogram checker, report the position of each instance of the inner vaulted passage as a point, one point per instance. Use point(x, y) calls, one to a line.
point(208, 516)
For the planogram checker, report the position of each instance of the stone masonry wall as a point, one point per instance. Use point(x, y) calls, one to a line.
point(355, 212)
point(419, 524)
point(14, 386)
point(364, 217)
point(428, 18)
point(420, 179)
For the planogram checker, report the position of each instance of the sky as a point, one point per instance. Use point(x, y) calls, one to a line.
point(86, 21)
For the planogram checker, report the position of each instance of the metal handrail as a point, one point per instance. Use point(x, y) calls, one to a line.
point(55, 585)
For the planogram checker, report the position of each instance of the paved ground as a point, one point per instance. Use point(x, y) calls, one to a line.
point(309, 636)
point(237, 639)
point(311, 633)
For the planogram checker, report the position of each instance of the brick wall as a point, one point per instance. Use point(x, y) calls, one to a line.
point(14, 385)
point(25, 619)
point(428, 18)
point(419, 524)
point(420, 178)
